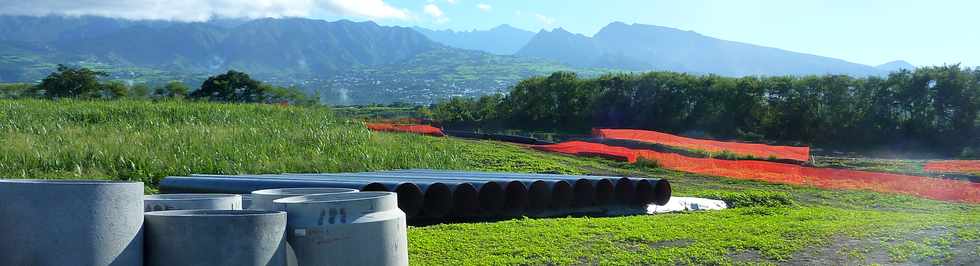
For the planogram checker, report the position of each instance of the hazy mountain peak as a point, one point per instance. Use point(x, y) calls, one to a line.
point(896, 66)
point(503, 39)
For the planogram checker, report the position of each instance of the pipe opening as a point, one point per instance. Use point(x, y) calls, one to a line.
point(410, 199)
point(374, 187)
point(466, 200)
point(644, 192)
point(661, 192)
point(517, 198)
point(539, 196)
point(584, 194)
point(306, 191)
point(561, 195)
point(438, 200)
point(625, 189)
point(492, 198)
point(604, 191)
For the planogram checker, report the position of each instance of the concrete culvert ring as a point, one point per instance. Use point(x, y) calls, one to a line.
point(492, 198)
point(644, 192)
point(410, 199)
point(661, 192)
point(466, 200)
point(561, 195)
point(517, 198)
point(584, 193)
point(604, 191)
point(625, 190)
point(438, 200)
point(539, 196)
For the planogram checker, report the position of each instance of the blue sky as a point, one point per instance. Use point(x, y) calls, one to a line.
point(862, 31)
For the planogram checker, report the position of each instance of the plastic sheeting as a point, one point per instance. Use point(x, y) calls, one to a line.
point(678, 204)
point(416, 129)
point(761, 151)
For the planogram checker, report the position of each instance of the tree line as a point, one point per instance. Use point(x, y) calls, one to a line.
point(84, 83)
point(931, 108)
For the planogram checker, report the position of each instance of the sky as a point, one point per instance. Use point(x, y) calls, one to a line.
point(863, 31)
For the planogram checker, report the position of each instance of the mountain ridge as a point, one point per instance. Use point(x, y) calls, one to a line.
point(643, 47)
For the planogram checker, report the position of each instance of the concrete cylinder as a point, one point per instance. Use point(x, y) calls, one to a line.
point(215, 237)
point(262, 199)
point(71, 222)
point(364, 228)
point(170, 202)
point(246, 201)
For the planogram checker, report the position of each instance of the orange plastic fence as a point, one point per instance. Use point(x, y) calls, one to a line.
point(933, 188)
point(583, 148)
point(954, 166)
point(757, 150)
point(417, 129)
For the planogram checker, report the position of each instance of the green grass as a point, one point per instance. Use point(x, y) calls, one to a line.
point(143, 141)
point(770, 223)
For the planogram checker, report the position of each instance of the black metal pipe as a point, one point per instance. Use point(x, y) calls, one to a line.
point(641, 195)
point(587, 190)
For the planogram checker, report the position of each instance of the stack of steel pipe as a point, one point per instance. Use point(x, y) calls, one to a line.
point(441, 194)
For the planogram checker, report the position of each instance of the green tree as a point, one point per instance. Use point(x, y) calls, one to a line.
point(140, 91)
point(232, 86)
point(174, 89)
point(71, 82)
point(114, 90)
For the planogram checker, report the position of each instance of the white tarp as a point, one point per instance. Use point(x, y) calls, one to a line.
point(677, 204)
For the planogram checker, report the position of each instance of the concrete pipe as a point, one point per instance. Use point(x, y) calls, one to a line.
point(364, 228)
point(71, 222)
point(169, 202)
point(246, 201)
point(262, 199)
point(215, 237)
point(410, 195)
point(239, 184)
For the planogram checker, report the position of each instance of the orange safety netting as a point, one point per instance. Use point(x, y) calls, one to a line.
point(933, 188)
point(953, 166)
point(417, 129)
point(582, 148)
point(761, 151)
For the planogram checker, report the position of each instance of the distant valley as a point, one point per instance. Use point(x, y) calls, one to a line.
point(362, 62)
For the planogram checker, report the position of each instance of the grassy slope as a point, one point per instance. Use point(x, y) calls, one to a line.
point(146, 141)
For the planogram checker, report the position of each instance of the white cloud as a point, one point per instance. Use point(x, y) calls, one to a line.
point(484, 7)
point(201, 10)
point(546, 20)
point(436, 13)
point(433, 10)
point(451, 2)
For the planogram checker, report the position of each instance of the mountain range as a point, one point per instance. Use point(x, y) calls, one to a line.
point(640, 47)
point(363, 62)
